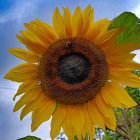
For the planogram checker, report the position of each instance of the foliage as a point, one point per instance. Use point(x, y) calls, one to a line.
point(61, 136)
point(128, 120)
point(131, 25)
point(29, 138)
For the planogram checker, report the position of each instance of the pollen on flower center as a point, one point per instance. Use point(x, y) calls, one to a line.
point(72, 71)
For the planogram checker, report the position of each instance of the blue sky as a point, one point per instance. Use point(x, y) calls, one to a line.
point(13, 13)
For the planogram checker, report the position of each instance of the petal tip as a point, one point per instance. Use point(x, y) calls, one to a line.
point(32, 128)
point(14, 98)
point(6, 76)
point(14, 109)
point(56, 9)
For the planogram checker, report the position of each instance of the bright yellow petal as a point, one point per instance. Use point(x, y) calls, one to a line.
point(111, 123)
point(107, 96)
point(89, 125)
point(91, 17)
point(24, 55)
point(57, 120)
point(120, 58)
point(26, 98)
point(104, 108)
point(31, 42)
point(67, 126)
point(97, 29)
point(121, 94)
point(76, 21)
point(22, 72)
point(26, 86)
point(95, 114)
point(125, 78)
point(33, 105)
point(107, 112)
point(76, 121)
point(58, 24)
point(42, 114)
point(129, 67)
point(67, 20)
point(47, 30)
point(86, 17)
point(123, 48)
point(43, 34)
point(108, 39)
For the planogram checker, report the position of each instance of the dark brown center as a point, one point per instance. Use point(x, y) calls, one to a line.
point(72, 71)
point(73, 68)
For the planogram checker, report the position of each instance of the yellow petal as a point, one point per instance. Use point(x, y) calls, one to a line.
point(104, 108)
point(67, 20)
point(22, 72)
point(125, 78)
point(120, 58)
point(26, 86)
point(108, 39)
point(76, 121)
point(91, 18)
point(42, 38)
point(95, 114)
point(31, 42)
point(107, 96)
point(110, 123)
point(121, 94)
point(33, 105)
point(57, 120)
point(26, 98)
point(130, 66)
point(104, 28)
point(123, 48)
point(47, 30)
point(45, 35)
point(24, 55)
point(76, 21)
point(86, 17)
point(107, 112)
point(58, 24)
point(89, 125)
point(42, 114)
point(67, 126)
point(97, 29)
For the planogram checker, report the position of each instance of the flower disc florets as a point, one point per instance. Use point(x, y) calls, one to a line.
point(72, 71)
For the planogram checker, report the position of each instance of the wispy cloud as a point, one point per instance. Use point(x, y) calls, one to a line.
point(10, 126)
point(136, 10)
point(137, 57)
point(18, 10)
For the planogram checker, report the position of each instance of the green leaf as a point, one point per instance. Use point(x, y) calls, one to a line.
point(129, 21)
point(29, 138)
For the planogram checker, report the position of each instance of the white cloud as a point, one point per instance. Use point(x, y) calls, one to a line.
point(10, 122)
point(137, 57)
point(18, 10)
point(136, 10)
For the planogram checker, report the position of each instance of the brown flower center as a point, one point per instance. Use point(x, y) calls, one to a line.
point(73, 68)
point(72, 71)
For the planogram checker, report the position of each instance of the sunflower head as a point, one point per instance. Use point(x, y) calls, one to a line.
point(73, 69)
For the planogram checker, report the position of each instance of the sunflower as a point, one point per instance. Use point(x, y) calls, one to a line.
point(74, 72)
